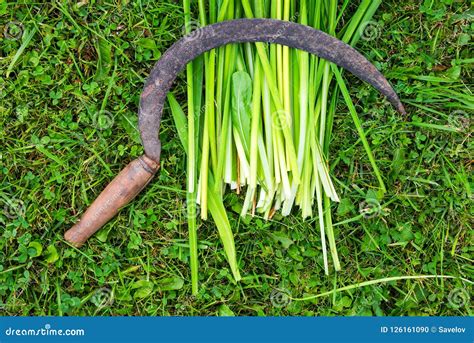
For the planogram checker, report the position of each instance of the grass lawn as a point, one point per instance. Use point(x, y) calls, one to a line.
point(70, 81)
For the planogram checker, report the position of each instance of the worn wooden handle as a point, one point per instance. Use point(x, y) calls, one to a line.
point(126, 186)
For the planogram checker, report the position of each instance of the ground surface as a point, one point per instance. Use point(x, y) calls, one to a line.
point(68, 101)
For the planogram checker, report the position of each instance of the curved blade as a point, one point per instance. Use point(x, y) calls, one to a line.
point(209, 37)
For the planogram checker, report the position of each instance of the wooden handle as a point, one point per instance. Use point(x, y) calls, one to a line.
point(126, 186)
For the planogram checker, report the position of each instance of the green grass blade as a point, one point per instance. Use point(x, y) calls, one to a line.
point(358, 124)
point(242, 107)
point(379, 281)
point(180, 120)
point(27, 36)
point(191, 164)
point(219, 215)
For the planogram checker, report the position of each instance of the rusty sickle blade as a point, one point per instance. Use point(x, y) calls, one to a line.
point(139, 172)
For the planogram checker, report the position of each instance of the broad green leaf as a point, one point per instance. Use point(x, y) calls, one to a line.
point(217, 209)
point(225, 311)
point(51, 254)
point(103, 234)
point(241, 107)
point(123, 294)
point(103, 48)
point(35, 249)
point(150, 44)
point(143, 292)
point(147, 43)
point(295, 254)
point(170, 284)
point(282, 238)
point(144, 289)
point(180, 121)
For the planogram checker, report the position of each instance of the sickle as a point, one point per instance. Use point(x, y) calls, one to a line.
point(135, 176)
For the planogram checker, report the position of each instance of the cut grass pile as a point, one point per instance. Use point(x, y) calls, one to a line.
point(268, 113)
